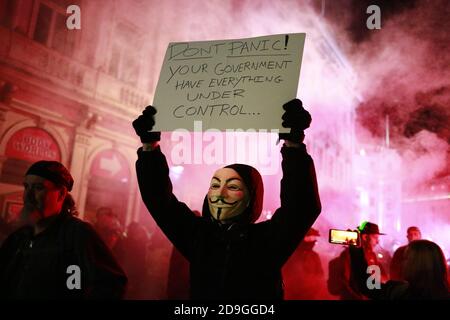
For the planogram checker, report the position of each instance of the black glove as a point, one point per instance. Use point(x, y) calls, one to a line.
point(144, 124)
point(296, 118)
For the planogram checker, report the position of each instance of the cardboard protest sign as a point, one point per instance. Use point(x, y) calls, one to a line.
point(228, 84)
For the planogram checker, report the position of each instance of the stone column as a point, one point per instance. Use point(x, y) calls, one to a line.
point(6, 91)
point(78, 169)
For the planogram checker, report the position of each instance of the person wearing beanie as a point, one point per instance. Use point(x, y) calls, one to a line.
point(230, 255)
point(55, 255)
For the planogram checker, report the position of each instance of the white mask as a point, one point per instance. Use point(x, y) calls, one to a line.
point(228, 195)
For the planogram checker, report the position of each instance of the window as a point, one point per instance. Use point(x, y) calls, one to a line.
point(16, 15)
point(124, 65)
point(6, 12)
point(114, 62)
point(43, 23)
point(124, 62)
point(131, 72)
point(50, 27)
point(63, 39)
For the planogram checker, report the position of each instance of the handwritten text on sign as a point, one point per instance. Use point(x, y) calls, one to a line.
point(229, 84)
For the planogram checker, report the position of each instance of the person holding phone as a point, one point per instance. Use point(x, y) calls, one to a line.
point(231, 256)
point(341, 281)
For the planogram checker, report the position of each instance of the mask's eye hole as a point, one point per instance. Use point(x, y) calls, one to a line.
point(234, 187)
point(214, 186)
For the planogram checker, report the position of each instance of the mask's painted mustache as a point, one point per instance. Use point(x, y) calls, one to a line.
point(220, 199)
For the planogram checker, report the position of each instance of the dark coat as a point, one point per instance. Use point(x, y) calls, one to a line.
point(35, 266)
point(397, 262)
point(342, 280)
point(241, 260)
point(303, 274)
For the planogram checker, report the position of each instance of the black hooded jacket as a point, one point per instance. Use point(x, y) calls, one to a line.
point(241, 260)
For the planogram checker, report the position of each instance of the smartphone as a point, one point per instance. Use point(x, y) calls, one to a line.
point(345, 237)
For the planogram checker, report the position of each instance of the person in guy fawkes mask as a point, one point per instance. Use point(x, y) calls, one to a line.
point(55, 255)
point(231, 256)
point(242, 198)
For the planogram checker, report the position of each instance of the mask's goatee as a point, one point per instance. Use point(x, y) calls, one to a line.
point(219, 211)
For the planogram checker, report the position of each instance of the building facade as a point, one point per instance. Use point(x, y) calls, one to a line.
point(70, 96)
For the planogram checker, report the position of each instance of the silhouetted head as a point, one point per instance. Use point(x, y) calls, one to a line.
point(137, 231)
point(425, 269)
point(413, 233)
point(310, 239)
point(106, 219)
point(235, 193)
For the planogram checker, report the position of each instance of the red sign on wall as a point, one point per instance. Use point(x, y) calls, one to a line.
point(111, 164)
point(32, 144)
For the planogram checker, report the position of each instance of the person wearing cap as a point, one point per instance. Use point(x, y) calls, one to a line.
point(55, 255)
point(370, 238)
point(231, 256)
point(395, 271)
point(347, 288)
point(303, 274)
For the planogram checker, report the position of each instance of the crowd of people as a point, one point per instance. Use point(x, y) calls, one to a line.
point(417, 270)
point(220, 253)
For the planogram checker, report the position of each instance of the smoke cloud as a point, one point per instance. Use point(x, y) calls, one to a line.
point(404, 79)
point(395, 82)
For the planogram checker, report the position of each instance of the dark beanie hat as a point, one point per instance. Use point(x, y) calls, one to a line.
point(53, 171)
